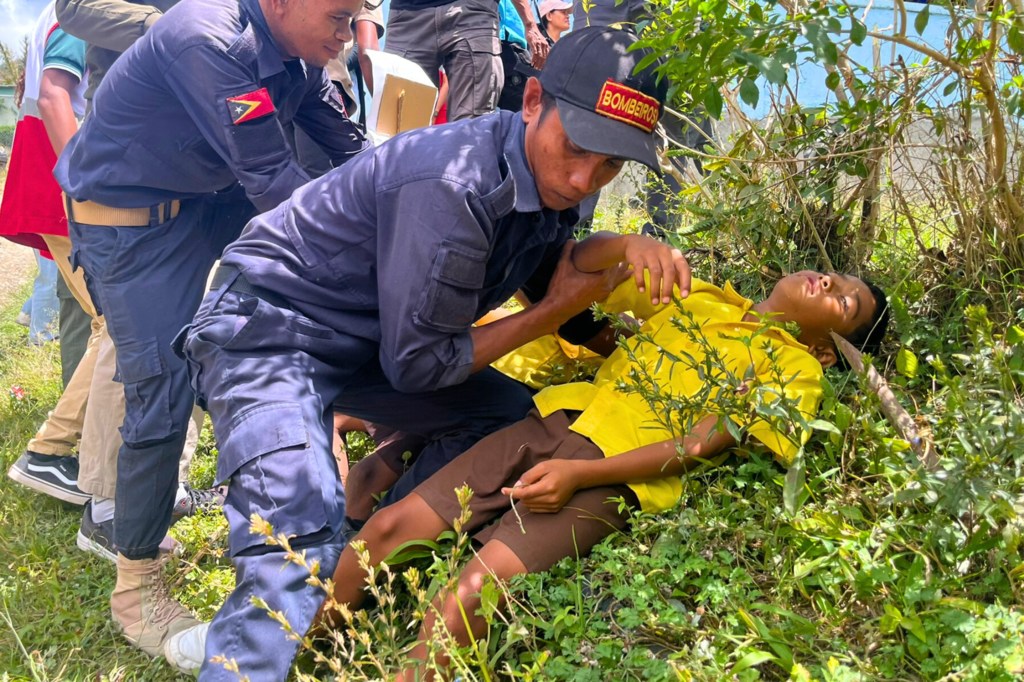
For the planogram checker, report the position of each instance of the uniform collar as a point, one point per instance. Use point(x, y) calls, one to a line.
point(269, 58)
point(527, 198)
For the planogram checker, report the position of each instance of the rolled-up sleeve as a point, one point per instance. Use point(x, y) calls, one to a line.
point(110, 24)
point(432, 261)
point(322, 116)
point(256, 151)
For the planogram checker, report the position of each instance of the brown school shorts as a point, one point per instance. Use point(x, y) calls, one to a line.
point(539, 540)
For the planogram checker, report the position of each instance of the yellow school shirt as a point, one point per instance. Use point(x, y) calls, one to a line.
point(548, 360)
point(617, 421)
point(545, 361)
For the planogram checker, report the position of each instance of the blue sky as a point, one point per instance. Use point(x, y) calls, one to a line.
point(17, 17)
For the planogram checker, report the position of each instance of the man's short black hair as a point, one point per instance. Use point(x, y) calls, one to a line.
point(547, 105)
point(868, 337)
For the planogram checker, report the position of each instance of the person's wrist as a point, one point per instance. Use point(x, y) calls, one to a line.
point(549, 314)
point(582, 473)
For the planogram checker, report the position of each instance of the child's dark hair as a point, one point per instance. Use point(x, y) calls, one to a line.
point(867, 338)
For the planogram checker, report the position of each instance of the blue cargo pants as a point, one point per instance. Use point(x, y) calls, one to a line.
point(271, 378)
point(147, 281)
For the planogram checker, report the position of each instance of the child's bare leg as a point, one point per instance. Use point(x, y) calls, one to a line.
point(342, 425)
point(408, 519)
point(376, 473)
point(367, 480)
point(494, 559)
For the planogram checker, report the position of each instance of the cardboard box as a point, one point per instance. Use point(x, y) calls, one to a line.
point(403, 97)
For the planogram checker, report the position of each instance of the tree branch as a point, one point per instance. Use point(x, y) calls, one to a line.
point(894, 412)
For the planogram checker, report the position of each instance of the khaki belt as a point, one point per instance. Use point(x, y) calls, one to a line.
point(91, 213)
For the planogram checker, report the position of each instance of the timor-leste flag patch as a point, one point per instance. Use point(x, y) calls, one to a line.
point(249, 106)
point(625, 104)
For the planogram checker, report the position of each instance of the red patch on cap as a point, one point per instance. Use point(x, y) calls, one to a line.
point(249, 106)
point(628, 105)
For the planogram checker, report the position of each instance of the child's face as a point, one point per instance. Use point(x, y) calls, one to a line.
point(823, 303)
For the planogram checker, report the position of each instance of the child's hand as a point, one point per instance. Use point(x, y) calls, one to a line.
point(546, 487)
point(667, 267)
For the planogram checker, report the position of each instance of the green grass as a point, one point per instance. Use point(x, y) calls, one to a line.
point(54, 611)
point(865, 566)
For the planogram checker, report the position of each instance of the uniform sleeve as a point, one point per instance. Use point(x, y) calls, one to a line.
point(110, 24)
point(374, 14)
point(256, 151)
point(322, 116)
point(65, 52)
point(431, 263)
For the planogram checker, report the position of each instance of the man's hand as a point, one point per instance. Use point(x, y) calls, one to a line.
point(538, 46)
point(571, 291)
point(667, 267)
point(546, 487)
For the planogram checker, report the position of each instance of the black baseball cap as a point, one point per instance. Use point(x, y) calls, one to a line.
point(606, 107)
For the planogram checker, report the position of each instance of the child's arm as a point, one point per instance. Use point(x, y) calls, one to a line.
point(666, 265)
point(546, 487)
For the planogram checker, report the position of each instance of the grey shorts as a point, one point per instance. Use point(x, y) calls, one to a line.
point(461, 36)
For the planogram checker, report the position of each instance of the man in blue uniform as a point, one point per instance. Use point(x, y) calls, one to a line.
point(184, 144)
point(359, 293)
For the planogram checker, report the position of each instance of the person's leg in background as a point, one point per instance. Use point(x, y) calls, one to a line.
point(43, 323)
point(25, 314)
point(47, 465)
point(468, 39)
point(94, 403)
point(188, 500)
point(662, 196)
point(75, 327)
point(412, 34)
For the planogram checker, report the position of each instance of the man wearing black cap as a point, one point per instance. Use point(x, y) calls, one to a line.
point(359, 294)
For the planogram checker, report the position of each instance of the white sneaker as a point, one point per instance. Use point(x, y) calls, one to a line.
point(186, 650)
point(24, 319)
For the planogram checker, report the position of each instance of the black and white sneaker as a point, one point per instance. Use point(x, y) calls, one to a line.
point(97, 538)
point(189, 500)
point(53, 475)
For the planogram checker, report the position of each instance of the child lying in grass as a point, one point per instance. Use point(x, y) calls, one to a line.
point(586, 445)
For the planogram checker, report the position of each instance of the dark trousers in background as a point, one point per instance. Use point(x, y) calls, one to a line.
point(461, 36)
point(75, 327)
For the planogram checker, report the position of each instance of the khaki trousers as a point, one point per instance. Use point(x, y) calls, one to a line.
point(90, 411)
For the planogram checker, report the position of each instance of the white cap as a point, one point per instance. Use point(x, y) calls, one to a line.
point(552, 5)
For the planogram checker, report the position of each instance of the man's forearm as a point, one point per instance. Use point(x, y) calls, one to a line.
point(534, 36)
point(491, 341)
point(110, 24)
point(366, 39)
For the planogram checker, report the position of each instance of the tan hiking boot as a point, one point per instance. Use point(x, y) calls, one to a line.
point(142, 606)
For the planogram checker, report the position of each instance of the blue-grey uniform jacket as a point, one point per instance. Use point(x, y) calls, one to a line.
point(410, 243)
point(165, 122)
